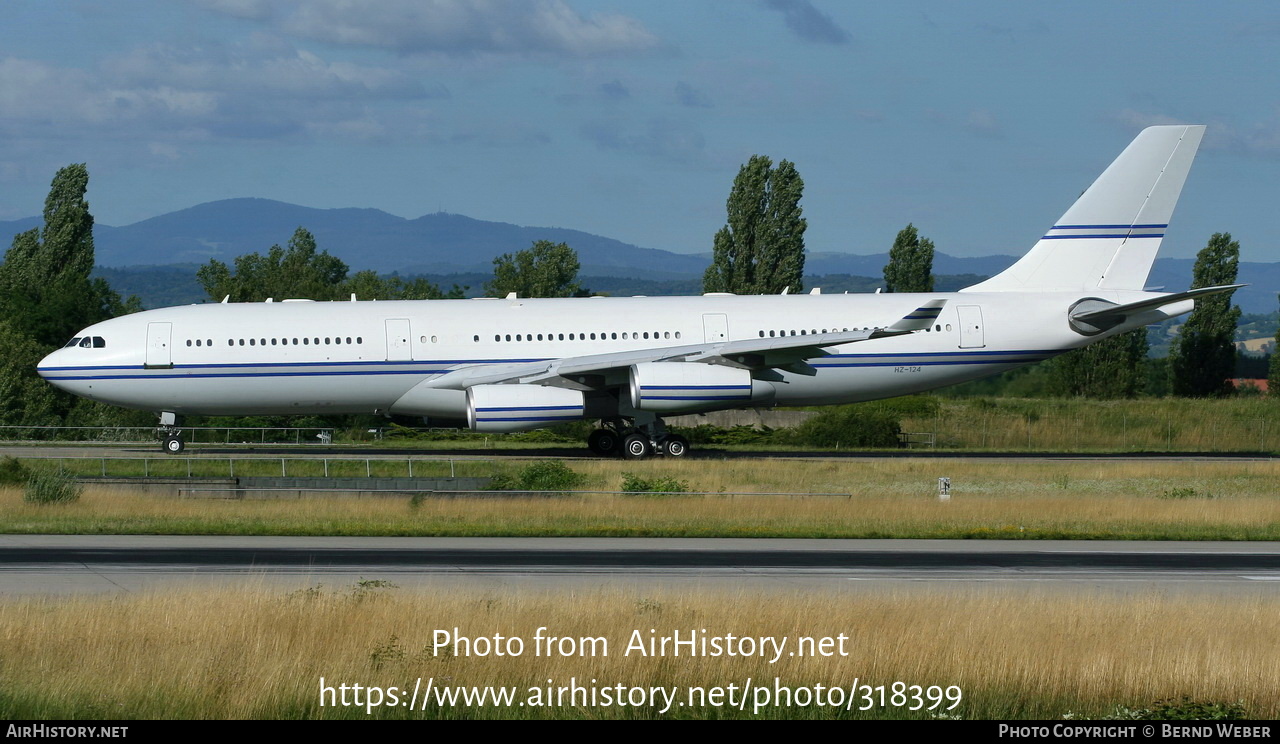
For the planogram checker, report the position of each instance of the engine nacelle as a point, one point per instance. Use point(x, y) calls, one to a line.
point(521, 407)
point(678, 387)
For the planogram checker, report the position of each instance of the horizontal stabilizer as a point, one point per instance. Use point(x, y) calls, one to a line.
point(1094, 316)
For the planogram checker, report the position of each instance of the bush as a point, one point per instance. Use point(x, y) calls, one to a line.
point(52, 487)
point(849, 426)
point(545, 475)
point(918, 406)
point(13, 472)
point(633, 483)
point(1185, 709)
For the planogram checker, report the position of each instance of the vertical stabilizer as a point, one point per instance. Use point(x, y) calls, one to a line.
point(1109, 238)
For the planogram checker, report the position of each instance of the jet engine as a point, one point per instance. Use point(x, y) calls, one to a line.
point(499, 408)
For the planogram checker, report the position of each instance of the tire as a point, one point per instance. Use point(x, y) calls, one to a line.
point(675, 446)
point(636, 447)
point(174, 445)
point(603, 442)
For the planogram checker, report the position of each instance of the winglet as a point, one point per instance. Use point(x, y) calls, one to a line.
point(917, 320)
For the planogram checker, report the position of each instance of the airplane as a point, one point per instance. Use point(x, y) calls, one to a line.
point(513, 364)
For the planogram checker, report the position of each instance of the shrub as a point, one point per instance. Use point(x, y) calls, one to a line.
point(918, 406)
point(1185, 709)
point(849, 426)
point(1183, 493)
point(544, 475)
point(52, 487)
point(13, 472)
point(633, 483)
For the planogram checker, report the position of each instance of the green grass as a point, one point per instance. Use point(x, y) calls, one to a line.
point(890, 498)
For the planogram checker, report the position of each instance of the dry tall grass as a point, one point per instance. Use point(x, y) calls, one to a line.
point(1220, 500)
point(260, 654)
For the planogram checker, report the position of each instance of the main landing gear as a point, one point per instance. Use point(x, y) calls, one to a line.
point(170, 434)
point(623, 437)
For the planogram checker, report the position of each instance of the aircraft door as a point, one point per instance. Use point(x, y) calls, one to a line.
point(159, 353)
point(398, 340)
point(715, 327)
point(971, 334)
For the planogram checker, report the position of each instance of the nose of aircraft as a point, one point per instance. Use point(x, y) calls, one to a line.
point(48, 365)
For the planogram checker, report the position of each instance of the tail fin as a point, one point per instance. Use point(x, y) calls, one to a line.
point(1108, 239)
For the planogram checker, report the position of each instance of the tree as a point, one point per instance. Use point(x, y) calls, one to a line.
point(910, 267)
point(296, 273)
point(45, 288)
point(1112, 368)
point(1202, 359)
point(367, 285)
point(545, 269)
point(761, 248)
point(1273, 369)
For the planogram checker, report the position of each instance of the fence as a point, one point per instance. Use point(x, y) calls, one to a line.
point(166, 466)
point(192, 434)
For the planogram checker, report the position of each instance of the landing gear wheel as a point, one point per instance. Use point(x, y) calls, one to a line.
point(636, 447)
point(675, 446)
point(603, 442)
point(174, 445)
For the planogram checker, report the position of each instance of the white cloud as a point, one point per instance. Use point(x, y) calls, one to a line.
point(1256, 138)
point(450, 26)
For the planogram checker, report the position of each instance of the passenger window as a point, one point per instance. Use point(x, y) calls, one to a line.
point(188, 342)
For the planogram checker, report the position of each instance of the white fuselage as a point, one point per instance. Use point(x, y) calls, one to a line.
point(301, 357)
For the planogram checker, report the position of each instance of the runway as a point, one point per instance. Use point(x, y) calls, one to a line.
point(76, 564)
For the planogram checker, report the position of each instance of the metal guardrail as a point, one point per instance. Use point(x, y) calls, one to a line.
point(193, 434)
point(381, 463)
point(516, 493)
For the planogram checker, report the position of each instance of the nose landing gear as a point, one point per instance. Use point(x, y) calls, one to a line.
point(169, 432)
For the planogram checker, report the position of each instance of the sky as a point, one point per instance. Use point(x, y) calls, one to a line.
point(979, 122)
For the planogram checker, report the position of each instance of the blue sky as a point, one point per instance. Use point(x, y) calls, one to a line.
point(979, 122)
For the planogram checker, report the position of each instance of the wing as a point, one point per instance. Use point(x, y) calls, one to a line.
point(592, 371)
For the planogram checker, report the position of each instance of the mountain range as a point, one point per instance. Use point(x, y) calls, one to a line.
point(444, 243)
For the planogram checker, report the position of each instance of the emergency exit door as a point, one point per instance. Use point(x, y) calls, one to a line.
point(971, 335)
point(159, 343)
point(715, 327)
point(398, 340)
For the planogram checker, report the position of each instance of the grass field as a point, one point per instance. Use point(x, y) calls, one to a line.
point(261, 654)
point(883, 498)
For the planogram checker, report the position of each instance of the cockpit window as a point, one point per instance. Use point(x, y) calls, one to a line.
point(99, 342)
point(73, 342)
point(86, 342)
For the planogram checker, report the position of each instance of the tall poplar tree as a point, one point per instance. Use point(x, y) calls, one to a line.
point(1112, 368)
point(45, 288)
point(1203, 357)
point(760, 250)
point(1273, 370)
point(910, 267)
